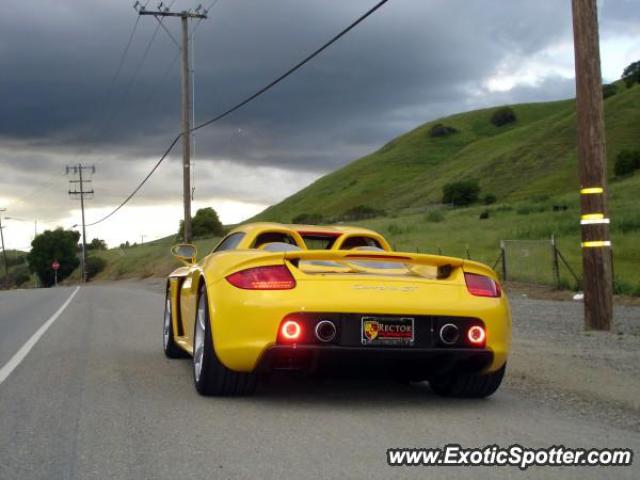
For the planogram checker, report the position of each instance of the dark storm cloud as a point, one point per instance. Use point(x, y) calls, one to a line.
point(412, 61)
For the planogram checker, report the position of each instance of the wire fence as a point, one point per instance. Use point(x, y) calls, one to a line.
point(536, 261)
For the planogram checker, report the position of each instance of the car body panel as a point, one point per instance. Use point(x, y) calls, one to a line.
point(245, 323)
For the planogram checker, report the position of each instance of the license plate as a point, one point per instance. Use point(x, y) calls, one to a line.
point(387, 331)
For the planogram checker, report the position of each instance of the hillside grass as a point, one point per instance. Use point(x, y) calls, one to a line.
point(534, 156)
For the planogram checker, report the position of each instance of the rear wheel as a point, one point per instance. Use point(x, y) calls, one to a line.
point(468, 385)
point(210, 376)
point(171, 348)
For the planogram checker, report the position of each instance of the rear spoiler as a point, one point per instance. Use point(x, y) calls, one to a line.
point(445, 265)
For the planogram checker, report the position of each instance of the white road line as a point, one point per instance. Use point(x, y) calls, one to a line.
point(10, 366)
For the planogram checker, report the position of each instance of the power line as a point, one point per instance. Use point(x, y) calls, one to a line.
point(144, 180)
point(292, 69)
point(245, 102)
point(122, 59)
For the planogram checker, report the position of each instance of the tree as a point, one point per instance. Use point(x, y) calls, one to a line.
point(461, 193)
point(627, 162)
point(53, 245)
point(609, 90)
point(97, 244)
point(205, 224)
point(631, 74)
point(489, 199)
point(361, 212)
point(308, 219)
point(440, 130)
point(503, 116)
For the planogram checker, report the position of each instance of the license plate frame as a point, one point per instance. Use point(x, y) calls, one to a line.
point(375, 331)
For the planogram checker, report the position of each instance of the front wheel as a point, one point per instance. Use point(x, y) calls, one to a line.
point(210, 376)
point(171, 348)
point(468, 385)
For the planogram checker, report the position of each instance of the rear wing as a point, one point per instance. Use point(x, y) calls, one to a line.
point(444, 265)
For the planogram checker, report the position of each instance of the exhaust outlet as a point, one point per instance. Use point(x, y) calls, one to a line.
point(325, 331)
point(449, 334)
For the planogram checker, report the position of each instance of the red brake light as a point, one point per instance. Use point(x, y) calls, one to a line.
point(476, 335)
point(290, 330)
point(275, 277)
point(482, 286)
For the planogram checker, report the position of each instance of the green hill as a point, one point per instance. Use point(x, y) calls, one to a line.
point(534, 156)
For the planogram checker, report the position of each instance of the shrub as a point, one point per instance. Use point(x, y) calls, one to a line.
point(484, 215)
point(440, 130)
point(621, 287)
point(627, 224)
point(527, 209)
point(94, 266)
point(503, 116)
point(631, 74)
point(308, 218)
point(609, 90)
point(489, 199)
point(461, 193)
point(20, 276)
point(627, 162)
point(361, 212)
point(434, 216)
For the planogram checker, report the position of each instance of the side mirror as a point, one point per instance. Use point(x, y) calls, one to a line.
point(185, 252)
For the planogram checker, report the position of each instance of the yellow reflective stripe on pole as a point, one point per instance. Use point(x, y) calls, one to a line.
point(596, 244)
point(591, 190)
point(592, 216)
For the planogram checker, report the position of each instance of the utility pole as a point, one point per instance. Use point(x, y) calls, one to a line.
point(82, 193)
point(596, 246)
point(4, 252)
point(187, 107)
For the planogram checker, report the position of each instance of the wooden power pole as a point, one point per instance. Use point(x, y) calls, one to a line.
point(596, 246)
point(80, 192)
point(187, 107)
point(4, 252)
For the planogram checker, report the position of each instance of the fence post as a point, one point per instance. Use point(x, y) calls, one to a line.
point(554, 258)
point(503, 253)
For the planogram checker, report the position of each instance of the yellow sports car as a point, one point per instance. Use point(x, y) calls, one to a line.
point(274, 297)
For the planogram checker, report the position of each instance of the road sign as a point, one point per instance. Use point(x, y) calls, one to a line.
point(55, 265)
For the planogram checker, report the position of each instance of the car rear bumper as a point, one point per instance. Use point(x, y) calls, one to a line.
point(403, 362)
point(246, 322)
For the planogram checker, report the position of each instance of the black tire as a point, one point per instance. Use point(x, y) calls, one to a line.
point(171, 348)
point(215, 379)
point(468, 385)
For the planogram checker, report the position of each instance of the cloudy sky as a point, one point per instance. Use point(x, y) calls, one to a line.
point(65, 101)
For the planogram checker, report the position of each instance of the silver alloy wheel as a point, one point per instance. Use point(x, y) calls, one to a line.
point(166, 326)
point(198, 341)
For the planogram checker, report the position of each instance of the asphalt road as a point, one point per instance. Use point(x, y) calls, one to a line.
point(96, 398)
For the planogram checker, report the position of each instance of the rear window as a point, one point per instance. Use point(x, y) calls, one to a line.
point(273, 237)
point(318, 242)
point(357, 242)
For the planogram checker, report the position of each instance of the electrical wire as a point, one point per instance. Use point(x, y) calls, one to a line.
point(292, 69)
point(244, 102)
point(144, 180)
